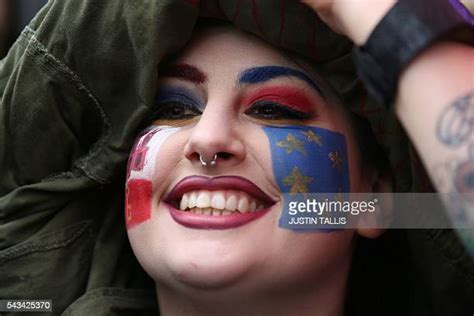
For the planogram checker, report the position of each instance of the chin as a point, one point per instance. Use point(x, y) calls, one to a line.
point(207, 275)
point(183, 257)
point(194, 259)
point(210, 262)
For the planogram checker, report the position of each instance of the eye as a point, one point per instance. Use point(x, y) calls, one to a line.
point(268, 110)
point(174, 110)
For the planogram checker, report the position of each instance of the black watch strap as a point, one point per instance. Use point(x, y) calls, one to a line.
point(407, 29)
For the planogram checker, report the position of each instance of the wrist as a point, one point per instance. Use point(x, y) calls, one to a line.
point(404, 33)
point(357, 19)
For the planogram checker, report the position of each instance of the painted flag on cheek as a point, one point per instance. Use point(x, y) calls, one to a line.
point(140, 173)
point(307, 159)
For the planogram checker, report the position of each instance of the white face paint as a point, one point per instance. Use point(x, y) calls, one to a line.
point(141, 172)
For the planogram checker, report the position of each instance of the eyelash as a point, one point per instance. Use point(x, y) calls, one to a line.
point(162, 114)
point(285, 112)
point(263, 109)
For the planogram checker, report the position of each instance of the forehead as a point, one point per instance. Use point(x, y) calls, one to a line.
point(224, 47)
point(221, 54)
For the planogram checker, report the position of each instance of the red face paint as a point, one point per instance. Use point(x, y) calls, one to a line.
point(288, 96)
point(141, 172)
point(137, 201)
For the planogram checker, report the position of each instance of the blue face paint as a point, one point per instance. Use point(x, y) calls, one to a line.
point(307, 160)
point(178, 94)
point(265, 73)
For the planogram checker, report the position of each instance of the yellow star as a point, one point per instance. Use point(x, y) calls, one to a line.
point(291, 143)
point(312, 137)
point(297, 181)
point(336, 159)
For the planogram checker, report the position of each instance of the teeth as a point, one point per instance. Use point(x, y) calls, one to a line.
point(253, 206)
point(218, 200)
point(243, 205)
point(192, 200)
point(203, 200)
point(209, 211)
point(231, 203)
point(184, 202)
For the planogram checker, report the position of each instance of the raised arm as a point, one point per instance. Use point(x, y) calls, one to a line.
point(434, 95)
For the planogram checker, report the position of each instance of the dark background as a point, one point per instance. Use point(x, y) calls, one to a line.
point(14, 15)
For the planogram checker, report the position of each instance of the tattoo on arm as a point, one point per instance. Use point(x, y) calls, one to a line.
point(455, 129)
point(457, 122)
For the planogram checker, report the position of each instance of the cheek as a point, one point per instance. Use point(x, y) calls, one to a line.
point(317, 252)
point(308, 159)
point(359, 176)
point(138, 195)
point(141, 173)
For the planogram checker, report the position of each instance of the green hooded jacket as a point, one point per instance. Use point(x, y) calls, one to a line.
point(76, 88)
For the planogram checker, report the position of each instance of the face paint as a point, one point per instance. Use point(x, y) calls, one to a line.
point(140, 173)
point(307, 160)
point(289, 96)
point(179, 95)
point(266, 73)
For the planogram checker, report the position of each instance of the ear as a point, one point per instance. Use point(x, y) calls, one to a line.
point(370, 226)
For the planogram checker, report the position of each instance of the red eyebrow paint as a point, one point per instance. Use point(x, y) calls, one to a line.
point(288, 96)
point(185, 72)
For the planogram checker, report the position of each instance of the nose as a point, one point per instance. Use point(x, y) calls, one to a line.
point(215, 138)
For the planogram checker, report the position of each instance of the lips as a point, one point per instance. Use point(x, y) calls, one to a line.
point(216, 203)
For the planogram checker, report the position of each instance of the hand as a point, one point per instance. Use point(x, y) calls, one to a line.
point(355, 19)
point(327, 12)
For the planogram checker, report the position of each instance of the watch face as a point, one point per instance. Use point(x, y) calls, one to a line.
point(463, 11)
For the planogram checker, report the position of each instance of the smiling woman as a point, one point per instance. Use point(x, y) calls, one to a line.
point(237, 125)
point(225, 127)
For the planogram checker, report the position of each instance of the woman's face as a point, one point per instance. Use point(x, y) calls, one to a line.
point(217, 227)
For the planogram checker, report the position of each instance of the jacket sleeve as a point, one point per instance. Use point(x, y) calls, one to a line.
point(74, 89)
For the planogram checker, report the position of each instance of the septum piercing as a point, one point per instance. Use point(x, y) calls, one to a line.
point(204, 163)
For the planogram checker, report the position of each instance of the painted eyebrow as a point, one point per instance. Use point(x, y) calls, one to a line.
point(184, 71)
point(265, 73)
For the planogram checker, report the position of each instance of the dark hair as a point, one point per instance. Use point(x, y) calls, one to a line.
point(372, 153)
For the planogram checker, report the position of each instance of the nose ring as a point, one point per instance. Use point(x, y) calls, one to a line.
point(211, 163)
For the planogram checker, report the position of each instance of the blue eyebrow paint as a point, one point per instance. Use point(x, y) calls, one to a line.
point(265, 73)
point(178, 94)
point(307, 160)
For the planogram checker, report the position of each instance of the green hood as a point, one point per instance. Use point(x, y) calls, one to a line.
point(76, 88)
